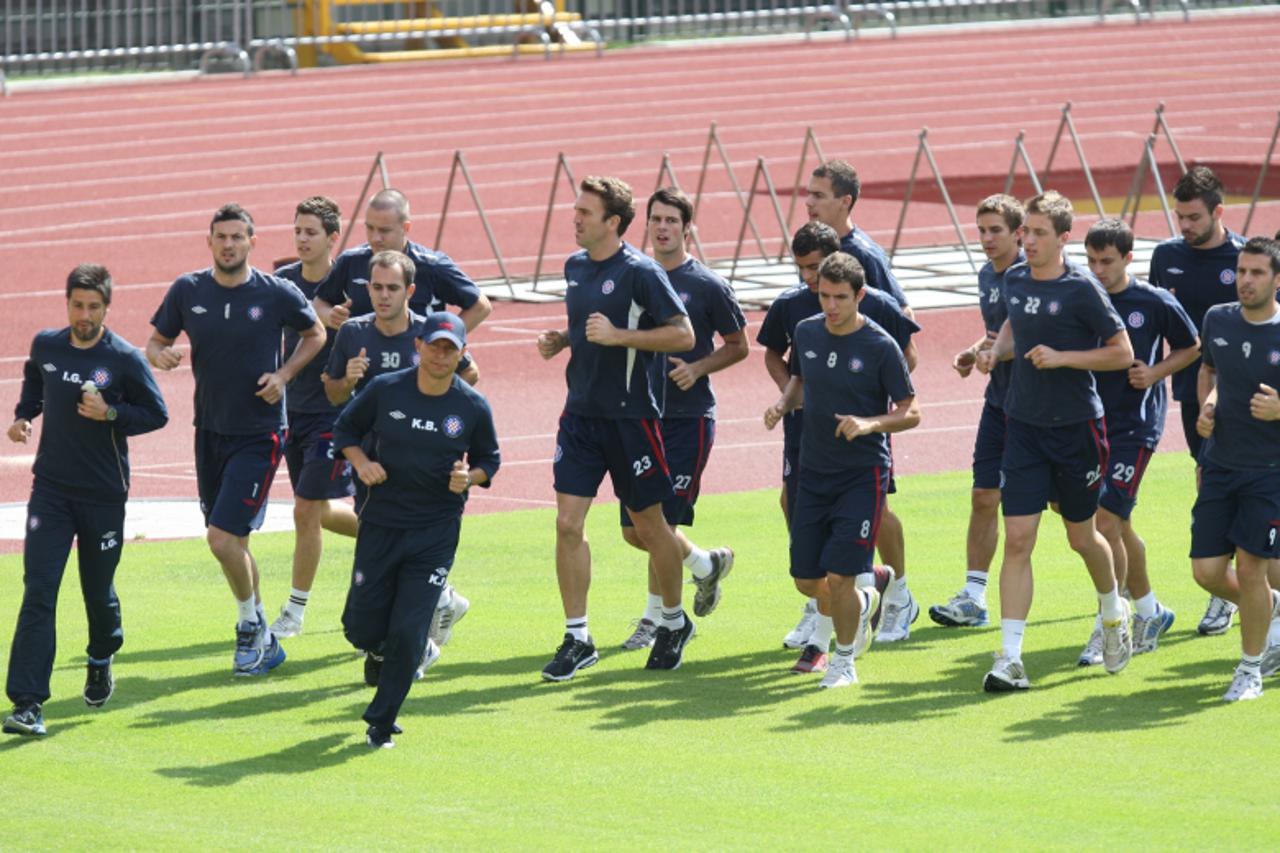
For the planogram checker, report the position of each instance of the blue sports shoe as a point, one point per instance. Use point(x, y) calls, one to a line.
point(1147, 632)
point(257, 650)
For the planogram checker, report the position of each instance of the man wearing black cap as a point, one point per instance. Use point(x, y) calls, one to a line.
point(425, 421)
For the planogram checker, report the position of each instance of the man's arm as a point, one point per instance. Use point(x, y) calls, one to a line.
point(792, 397)
point(1145, 375)
point(904, 415)
point(161, 353)
point(1115, 354)
point(776, 364)
point(475, 315)
point(733, 349)
point(675, 335)
point(1207, 394)
point(551, 342)
point(142, 408)
point(310, 342)
point(332, 316)
point(30, 401)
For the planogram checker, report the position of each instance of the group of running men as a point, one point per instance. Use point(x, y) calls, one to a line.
point(353, 372)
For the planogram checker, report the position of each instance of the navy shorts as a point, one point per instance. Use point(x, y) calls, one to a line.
point(1236, 509)
point(630, 450)
point(1066, 462)
point(988, 447)
point(1120, 482)
point(233, 476)
point(315, 472)
point(688, 444)
point(835, 522)
point(792, 426)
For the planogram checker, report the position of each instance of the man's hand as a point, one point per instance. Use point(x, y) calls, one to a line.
point(1142, 376)
point(271, 388)
point(551, 342)
point(92, 406)
point(1204, 423)
point(601, 331)
point(357, 367)
point(1045, 358)
point(459, 478)
point(964, 362)
point(772, 415)
point(371, 473)
point(683, 373)
point(1265, 405)
point(850, 427)
point(167, 358)
point(985, 361)
point(340, 314)
point(20, 431)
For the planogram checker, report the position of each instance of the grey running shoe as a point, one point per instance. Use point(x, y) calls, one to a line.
point(708, 589)
point(430, 655)
point(1247, 684)
point(1217, 617)
point(1117, 641)
point(895, 625)
point(840, 673)
point(1271, 660)
point(960, 611)
point(641, 637)
point(286, 624)
point(800, 635)
point(1092, 654)
point(870, 605)
point(1006, 675)
point(1147, 632)
point(448, 614)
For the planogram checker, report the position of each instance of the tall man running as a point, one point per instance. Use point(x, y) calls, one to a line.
point(435, 440)
point(94, 390)
point(1199, 268)
point(1056, 437)
point(1134, 402)
point(622, 309)
point(1000, 219)
point(233, 315)
point(319, 477)
point(856, 390)
point(687, 401)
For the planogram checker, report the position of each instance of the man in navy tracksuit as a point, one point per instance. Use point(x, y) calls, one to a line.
point(94, 389)
point(424, 421)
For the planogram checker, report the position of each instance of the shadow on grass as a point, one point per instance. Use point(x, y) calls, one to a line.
point(8, 741)
point(299, 758)
point(1143, 710)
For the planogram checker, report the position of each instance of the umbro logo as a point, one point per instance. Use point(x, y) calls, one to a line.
point(810, 354)
point(1220, 342)
point(397, 414)
point(572, 283)
point(1174, 271)
point(198, 309)
point(1013, 300)
point(49, 367)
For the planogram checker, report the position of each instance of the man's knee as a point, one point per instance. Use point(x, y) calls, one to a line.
point(985, 501)
point(632, 538)
point(307, 514)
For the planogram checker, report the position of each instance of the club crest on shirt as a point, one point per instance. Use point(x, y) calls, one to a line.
point(684, 297)
point(607, 287)
point(101, 377)
point(1274, 357)
point(452, 426)
point(1055, 307)
point(414, 359)
point(33, 522)
point(1136, 320)
point(855, 364)
point(255, 312)
point(1227, 276)
point(357, 578)
point(555, 457)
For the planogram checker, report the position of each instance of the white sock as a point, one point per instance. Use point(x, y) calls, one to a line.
point(698, 562)
point(975, 586)
point(653, 612)
point(897, 592)
point(1011, 631)
point(297, 603)
point(1147, 605)
point(1109, 602)
point(822, 629)
point(248, 610)
point(673, 619)
point(845, 651)
point(1253, 662)
point(577, 627)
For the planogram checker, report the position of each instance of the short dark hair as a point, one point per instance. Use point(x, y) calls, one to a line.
point(1054, 205)
point(672, 197)
point(1199, 183)
point(1008, 207)
point(1110, 232)
point(90, 277)
point(323, 208)
point(389, 259)
point(393, 200)
point(1264, 246)
point(815, 236)
point(232, 213)
point(617, 197)
point(845, 268)
point(843, 177)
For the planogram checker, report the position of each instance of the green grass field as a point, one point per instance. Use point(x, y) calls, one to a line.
point(729, 752)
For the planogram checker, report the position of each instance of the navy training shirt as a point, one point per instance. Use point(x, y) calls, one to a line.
point(1244, 354)
point(417, 438)
point(306, 391)
point(235, 335)
point(713, 309)
point(1071, 312)
point(856, 374)
point(994, 313)
point(80, 457)
point(1135, 416)
point(875, 263)
point(1200, 279)
point(386, 353)
point(437, 281)
point(633, 291)
point(800, 303)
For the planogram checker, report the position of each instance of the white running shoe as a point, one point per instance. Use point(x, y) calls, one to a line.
point(1117, 640)
point(1092, 654)
point(449, 612)
point(1247, 684)
point(1147, 632)
point(1006, 675)
point(800, 635)
point(1217, 617)
point(430, 655)
point(896, 620)
point(840, 673)
point(642, 637)
point(870, 603)
point(286, 624)
point(1271, 660)
point(961, 610)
